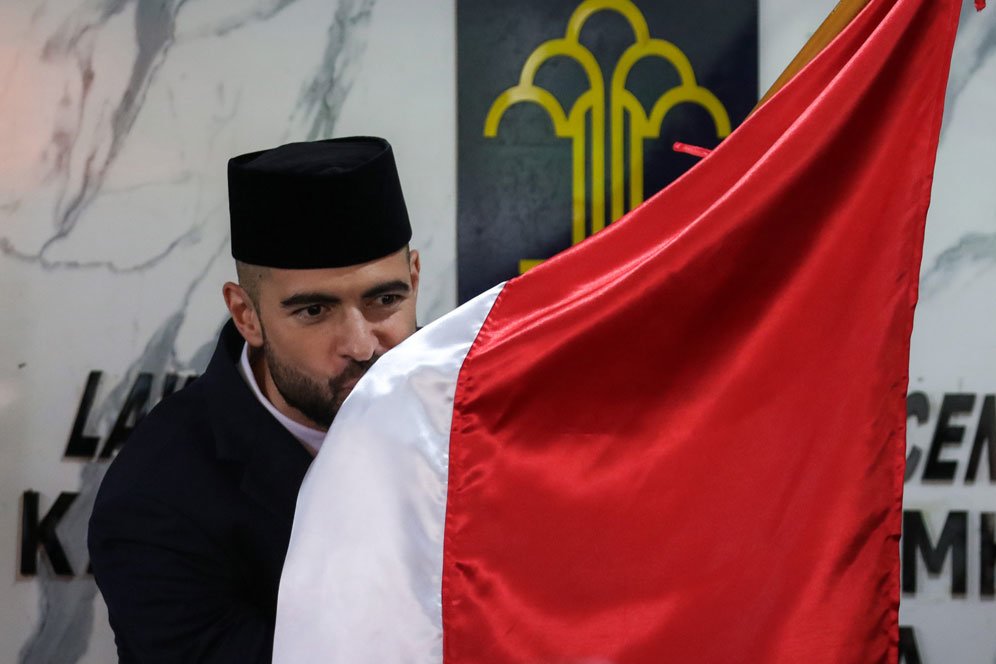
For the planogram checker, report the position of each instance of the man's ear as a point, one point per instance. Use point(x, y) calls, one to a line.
point(244, 314)
point(414, 265)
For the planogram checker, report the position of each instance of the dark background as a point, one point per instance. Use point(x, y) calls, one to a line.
point(514, 190)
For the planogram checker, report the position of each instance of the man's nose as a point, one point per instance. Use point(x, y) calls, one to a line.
point(359, 339)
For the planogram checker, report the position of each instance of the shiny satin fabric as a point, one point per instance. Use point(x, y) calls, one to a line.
point(361, 582)
point(683, 440)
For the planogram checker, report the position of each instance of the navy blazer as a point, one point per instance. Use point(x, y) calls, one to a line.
point(191, 523)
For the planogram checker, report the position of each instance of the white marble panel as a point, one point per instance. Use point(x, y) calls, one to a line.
point(954, 348)
point(118, 117)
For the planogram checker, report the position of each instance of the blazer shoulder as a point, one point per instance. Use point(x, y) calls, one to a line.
point(174, 436)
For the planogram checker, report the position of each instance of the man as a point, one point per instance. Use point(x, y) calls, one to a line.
point(191, 523)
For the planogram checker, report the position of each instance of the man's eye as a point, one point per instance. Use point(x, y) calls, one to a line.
point(312, 311)
point(388, 299)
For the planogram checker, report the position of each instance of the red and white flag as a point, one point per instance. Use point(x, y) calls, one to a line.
point(680, 441)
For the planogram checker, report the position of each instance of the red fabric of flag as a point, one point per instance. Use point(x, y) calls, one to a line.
point(683, 440)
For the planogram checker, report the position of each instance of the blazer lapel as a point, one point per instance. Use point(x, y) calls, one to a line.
point(274, 462)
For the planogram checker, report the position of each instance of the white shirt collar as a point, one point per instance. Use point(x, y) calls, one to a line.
point(310, 438)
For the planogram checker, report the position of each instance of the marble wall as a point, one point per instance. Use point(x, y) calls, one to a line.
point(117, 118)
point(954, 353)
point(116, 121)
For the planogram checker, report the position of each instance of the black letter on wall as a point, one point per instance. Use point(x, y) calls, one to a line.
point(35, 533)
point(909, 653)
point(953, 538)
point(80, 445)
point(917, 406)
point(984, 439)
point(133, 410)
point(945, 434)
point(987, 587)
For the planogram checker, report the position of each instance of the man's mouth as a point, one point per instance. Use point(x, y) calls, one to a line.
point(344, 383)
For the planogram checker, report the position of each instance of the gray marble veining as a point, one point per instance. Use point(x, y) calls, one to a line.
point(79, 157)
point(975, 246)
point(65, 622)
point(977, 249)
point(242, 15)
point(186, 237)
point(79, 160)
point(322, 98)
point(154, 28)
point(976, 44)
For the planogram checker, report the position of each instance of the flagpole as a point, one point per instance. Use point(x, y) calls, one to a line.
point(840, 17)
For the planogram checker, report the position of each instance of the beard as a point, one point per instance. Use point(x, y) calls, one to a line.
point(318, 401)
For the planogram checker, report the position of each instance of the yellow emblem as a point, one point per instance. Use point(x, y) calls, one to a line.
point(572, 124)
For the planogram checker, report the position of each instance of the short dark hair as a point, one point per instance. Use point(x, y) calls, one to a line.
point(250, 276)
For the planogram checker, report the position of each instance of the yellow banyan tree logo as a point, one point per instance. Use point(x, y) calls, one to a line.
point(573, 124)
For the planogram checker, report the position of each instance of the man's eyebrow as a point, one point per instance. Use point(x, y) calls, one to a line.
point(305, 299)
point(387, 287)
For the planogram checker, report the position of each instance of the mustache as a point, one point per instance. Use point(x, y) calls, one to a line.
point(352, 373)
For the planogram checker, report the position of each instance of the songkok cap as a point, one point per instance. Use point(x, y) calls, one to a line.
point(319, 204)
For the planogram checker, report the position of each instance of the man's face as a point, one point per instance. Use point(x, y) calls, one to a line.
point(322, 329)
